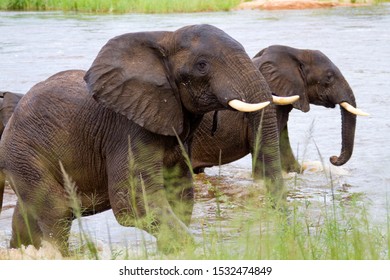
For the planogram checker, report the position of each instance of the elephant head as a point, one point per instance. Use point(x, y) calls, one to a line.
point(289, 73)
point(313, 76)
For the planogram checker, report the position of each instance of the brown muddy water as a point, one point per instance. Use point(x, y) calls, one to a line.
point(34, 46)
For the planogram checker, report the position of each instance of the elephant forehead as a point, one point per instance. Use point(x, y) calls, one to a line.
point(217, 46)
point(205, 37)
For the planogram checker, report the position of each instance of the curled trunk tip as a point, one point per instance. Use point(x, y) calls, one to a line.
point(338, 161)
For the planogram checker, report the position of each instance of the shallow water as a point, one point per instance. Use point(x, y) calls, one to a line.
point(34, 46)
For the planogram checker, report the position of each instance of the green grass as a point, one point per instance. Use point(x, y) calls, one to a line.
point(120, 6)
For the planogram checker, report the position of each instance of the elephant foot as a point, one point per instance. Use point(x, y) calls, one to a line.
point(199, 170)
point(171, 241)
point(292, 166)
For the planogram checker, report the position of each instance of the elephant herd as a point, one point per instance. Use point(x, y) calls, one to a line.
point(154, 107)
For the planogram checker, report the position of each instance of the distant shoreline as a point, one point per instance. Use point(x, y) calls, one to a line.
point(295, 4)
point(166, 6)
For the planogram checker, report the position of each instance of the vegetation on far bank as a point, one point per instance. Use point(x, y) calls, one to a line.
point(120, 6)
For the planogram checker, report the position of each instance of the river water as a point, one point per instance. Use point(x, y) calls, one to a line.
point(34, 46)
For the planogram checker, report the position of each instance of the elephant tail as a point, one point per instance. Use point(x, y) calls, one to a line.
point(2, 187)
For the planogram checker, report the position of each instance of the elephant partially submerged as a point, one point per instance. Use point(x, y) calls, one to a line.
point(115, 131)
point(288, 71)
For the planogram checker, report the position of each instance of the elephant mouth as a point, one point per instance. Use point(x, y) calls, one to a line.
point(326, 104)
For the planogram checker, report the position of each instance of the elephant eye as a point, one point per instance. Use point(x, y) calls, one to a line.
point(202, 66)
point(329, 78)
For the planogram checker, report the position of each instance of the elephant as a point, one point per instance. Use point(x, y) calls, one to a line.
point(117, 136)
point(8, 102)
point(288, 71)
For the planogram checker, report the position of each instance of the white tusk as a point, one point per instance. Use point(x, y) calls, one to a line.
point(247, 107)
point(352, 109)
point(281, 100)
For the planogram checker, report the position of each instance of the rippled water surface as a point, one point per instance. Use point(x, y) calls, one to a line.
point(34, 46)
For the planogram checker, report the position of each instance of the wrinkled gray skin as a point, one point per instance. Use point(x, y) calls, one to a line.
point(113, 130)
point(288, 71)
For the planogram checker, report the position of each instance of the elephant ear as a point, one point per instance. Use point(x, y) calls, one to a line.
point(130, 76)
point(284, 73)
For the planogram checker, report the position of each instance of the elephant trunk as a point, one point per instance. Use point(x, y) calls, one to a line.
point(348, 137)
point(262, 126)
point(348, 126)
point(264, 143)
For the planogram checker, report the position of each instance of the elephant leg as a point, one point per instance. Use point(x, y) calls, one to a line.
point(172, 233)
point(56, 230)
point(25, 229)
point(151, 212)
point(43, 214)
point(138, 198)
point(289, 163)
point(180, 191)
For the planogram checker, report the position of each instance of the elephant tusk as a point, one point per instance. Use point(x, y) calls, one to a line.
point(247, 107)
point(352, 109)
point(281, 100)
